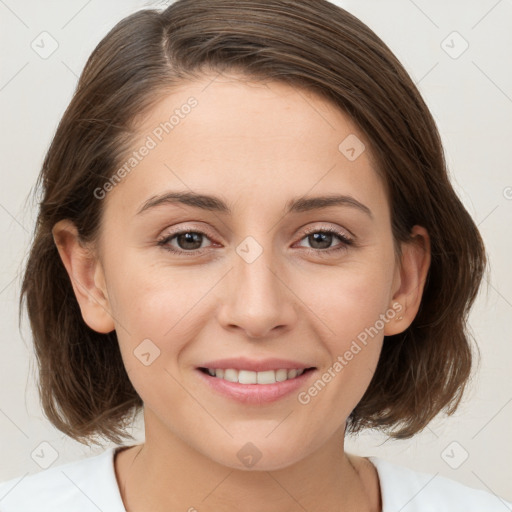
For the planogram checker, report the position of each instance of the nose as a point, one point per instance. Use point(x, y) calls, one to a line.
point(256, 297)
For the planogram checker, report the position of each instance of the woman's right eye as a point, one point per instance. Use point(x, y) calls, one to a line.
point(189, 242)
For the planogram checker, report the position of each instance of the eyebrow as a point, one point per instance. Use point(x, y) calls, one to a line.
point(216, 204)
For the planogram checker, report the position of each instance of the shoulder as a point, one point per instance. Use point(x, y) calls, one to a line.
point(412, 491)
point(82, 486)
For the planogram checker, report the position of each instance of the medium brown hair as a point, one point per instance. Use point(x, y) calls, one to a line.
point(310, 44)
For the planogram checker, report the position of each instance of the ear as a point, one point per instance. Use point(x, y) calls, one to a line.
point(409, 280)
point(86, 275)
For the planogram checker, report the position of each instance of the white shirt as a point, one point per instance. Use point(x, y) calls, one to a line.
point(90, 485)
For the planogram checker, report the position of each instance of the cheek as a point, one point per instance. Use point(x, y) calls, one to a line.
point(157, 331)
point(151, 297)
point(351, 299)
point(160, 312)
point(353, 304)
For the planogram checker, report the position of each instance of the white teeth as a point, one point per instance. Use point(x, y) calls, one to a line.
point(267, 377)
point(249, 377)
point(230, 374)
point(281, 375)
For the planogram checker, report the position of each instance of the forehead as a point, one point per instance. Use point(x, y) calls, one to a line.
point(247, 141)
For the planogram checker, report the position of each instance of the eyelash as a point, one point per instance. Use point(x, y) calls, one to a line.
point(346, 242)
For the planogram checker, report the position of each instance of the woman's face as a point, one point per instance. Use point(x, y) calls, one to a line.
point(257, 277)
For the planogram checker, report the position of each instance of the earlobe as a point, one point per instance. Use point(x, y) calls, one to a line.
point(415, 263)
point(86, 276)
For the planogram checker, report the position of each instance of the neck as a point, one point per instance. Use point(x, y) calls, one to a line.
point(165, 473)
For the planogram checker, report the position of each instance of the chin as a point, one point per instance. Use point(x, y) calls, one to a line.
point(259, 455)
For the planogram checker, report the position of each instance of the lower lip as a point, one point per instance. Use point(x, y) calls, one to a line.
point(255, 393)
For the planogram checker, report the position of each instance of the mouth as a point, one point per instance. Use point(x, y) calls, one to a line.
point(248, 377)
point(256, 381)
point(255, 388)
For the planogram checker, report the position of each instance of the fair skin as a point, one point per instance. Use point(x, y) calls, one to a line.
point(255, 146)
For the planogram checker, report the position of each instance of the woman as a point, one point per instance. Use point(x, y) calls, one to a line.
point(248, 233)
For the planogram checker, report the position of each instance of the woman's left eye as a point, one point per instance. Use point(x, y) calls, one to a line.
point(324, 237)
point(190, 242)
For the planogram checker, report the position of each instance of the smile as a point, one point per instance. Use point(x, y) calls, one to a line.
point(250, 377)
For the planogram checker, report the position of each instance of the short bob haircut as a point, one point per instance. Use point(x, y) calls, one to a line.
point(312, 45)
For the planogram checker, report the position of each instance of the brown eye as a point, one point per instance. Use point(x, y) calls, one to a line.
point(186, 242)
point(321, 240)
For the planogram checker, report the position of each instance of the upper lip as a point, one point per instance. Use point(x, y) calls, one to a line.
point(243, 363)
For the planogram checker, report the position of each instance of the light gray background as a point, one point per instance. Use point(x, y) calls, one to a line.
point(471, 99)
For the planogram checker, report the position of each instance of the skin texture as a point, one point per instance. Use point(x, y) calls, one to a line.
point(256, 146)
